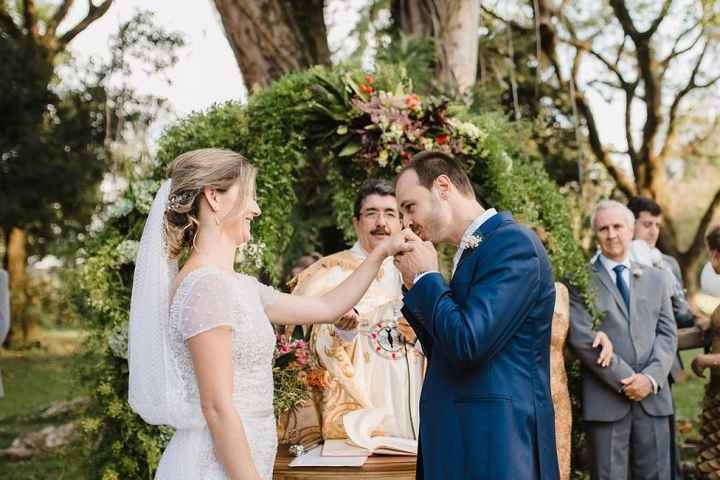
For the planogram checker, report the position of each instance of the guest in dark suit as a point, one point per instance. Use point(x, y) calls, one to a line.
point(486, 411)
point(627, 405)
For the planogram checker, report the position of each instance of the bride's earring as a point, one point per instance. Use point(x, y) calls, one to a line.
point(217, 222)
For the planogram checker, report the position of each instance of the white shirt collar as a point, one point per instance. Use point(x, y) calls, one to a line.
point(359, 251)
point(611, 264)
point(477, 223)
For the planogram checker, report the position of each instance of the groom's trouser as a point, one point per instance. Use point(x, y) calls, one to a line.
point(635, 447)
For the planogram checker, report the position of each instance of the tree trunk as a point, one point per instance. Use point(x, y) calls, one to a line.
point(17, 270)
point(416, 18)
point(459, 44)
point(454, 25)
point(691, 267)
point(271, 38)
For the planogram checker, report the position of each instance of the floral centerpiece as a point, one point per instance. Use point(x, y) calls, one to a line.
point(371, 126)
point(294, 374)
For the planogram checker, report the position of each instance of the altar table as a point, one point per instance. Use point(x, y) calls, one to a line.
point(377, 467)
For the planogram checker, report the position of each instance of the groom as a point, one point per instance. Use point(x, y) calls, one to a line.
point(485, 410)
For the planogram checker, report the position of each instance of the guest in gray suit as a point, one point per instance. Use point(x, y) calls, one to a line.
point(627, 404)
point(648, 223)
point(4, 314)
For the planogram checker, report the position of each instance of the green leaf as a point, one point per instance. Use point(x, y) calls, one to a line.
point(350, 149)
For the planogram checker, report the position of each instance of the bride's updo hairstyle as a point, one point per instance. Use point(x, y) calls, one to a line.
point(190, 173)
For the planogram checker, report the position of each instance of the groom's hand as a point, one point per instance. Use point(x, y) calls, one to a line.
point(422, 258)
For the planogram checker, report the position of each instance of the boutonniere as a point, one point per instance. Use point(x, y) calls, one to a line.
point(470, 241)
point(637, 272)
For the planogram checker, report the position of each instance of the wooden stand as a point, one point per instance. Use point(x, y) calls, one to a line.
point(377, 467)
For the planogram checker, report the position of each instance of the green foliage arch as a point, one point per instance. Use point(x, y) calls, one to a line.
point(315, 134)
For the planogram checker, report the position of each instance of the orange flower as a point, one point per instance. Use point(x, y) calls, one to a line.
point(442, 138)
point(412, 101)
point(318, 378)
point(365, 88)
point(369, 79)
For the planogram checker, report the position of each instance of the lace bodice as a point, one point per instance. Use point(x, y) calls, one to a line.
point(209, 298)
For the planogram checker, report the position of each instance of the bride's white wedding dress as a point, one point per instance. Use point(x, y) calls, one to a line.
point(209, 298)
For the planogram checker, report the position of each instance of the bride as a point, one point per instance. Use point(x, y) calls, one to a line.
point(200, 343)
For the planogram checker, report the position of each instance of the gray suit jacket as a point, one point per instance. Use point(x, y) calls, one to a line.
point(674, 267)
point(683, 315)
point(644, 340)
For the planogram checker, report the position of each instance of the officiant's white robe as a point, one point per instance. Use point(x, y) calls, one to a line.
point(372, 367)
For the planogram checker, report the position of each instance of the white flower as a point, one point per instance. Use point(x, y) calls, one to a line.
point(383, 158)
point(119, 209)
point(637, 272)
point(118, 341)
point(468, 129)
point(427, 143)
point(251, 257)
point(144, 192)
point(127, 251)
point(470, 241)
point(507, 160)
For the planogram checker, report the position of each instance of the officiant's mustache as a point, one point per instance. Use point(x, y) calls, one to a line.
point(380, 231)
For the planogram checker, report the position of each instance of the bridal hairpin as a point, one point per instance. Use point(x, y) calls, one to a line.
point(176, 200)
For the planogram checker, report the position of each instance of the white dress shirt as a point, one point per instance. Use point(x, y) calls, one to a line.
point(611, 264)
point(477, 223)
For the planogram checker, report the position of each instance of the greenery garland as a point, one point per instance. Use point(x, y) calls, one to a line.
point(343, 122)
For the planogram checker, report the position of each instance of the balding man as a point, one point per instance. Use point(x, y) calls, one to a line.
point(626, 406)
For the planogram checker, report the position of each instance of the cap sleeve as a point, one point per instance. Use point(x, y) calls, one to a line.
point(268, 295)
point(209, 304)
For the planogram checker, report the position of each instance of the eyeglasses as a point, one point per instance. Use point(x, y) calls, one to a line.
point(375, 214)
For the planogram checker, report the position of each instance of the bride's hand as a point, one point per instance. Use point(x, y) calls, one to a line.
point(397, 244)
point(606, 348)
point(349, 321)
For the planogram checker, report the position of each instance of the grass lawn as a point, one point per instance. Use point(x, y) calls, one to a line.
point(688, 397)
point(33, 379)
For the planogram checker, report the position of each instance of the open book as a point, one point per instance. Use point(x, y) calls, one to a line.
point(359, 425)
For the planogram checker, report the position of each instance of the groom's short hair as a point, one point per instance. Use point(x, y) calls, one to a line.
point(430, 165)
point(372, 186)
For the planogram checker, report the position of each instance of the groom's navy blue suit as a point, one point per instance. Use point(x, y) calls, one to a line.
point(485, 410)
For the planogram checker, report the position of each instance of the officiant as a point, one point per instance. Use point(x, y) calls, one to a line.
point(375, 370)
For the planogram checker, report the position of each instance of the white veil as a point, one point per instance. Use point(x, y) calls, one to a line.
point(151, 384)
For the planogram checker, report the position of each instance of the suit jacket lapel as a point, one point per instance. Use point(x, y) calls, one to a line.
point(609, 283)
point(635, 285)
point(483, 231)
